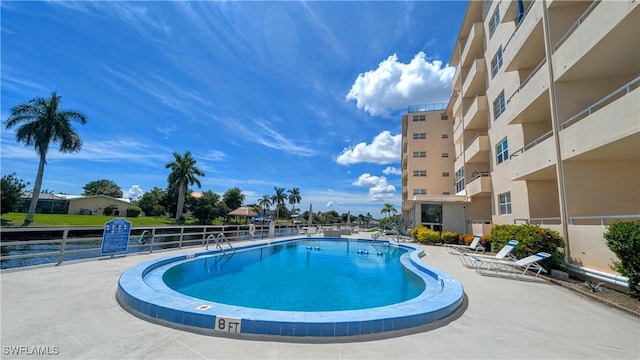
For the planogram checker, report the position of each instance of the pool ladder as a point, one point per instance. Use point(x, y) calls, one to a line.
point(221, 239)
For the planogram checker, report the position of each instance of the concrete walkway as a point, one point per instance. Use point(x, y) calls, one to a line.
point(70, 312)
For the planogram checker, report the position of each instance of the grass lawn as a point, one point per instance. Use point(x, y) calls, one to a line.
point(16, 219)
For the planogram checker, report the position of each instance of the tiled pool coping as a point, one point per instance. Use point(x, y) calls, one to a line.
point(148, 297)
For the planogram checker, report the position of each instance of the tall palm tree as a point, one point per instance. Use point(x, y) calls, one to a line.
point(388, 209)
point(265, 203)
point(278, 199)
point(41, 122)
point(183, 173)
point(294, 198)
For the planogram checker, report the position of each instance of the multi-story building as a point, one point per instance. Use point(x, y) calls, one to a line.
point(546, 119)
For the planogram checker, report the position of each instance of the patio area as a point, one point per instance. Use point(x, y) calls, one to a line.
point(70, 312)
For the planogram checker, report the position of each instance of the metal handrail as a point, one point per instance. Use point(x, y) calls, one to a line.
point(428, 107)
point(531, 144)
point(56, 248)
point(603, 218)
point(526, 80)
point(626, 88)
point(524, 15)
point(540, 219)
point(575, 25)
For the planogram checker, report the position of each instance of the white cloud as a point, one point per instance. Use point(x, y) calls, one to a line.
point(384, 149)
point(379, 189)
point(134, 192)
point(330, 203)
point(395, 85)
point(390, 170)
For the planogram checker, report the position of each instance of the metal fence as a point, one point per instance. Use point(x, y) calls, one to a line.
point(21, 247)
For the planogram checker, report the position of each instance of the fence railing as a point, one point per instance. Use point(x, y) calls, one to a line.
point(20, 247)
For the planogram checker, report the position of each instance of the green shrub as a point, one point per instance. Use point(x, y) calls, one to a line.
point(107, 211)
point(425, 235)
point(623, 238)
point(158, 210)
point(450, 237)
point(134, 211)
point(531, 239)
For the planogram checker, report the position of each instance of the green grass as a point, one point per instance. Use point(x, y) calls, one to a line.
point(17, 219)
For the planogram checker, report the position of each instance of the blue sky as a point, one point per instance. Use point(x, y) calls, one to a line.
point(263, 94)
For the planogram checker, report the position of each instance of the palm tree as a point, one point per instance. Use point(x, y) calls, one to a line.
point(388, 209)
point(42, 122)
point(278, 199)
point(294, 198)
point(183, 173)
point(265, 204)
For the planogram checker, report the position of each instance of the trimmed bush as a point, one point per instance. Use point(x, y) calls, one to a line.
point(623, 238)
point(531, 239)
point(107, 211)
point(134, 211)
point(425, 235)
point(466, 239)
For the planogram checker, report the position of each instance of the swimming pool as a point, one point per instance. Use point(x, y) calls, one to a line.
point(327, 287)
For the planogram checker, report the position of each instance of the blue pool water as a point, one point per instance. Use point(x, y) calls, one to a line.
point(310, 275)
point(331, 287)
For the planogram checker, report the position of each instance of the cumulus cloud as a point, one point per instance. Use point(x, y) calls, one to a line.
point(390, 170)
point(384, 149)
point(134, 193)
point(330, 204)
point(395, 85)
point(379, 189)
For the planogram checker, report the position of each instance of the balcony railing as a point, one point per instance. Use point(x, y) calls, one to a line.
point(601, 219)
point(533, 143)
point(524, 15)
point(575, 25)
point(540, 221)
point(625, 89)
point(526, 80)
point(428, 107)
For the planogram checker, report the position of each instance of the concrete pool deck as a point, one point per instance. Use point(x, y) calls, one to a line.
point(70, 312)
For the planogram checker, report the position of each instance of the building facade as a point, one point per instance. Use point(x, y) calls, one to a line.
point(546, 119)
point(546, 109)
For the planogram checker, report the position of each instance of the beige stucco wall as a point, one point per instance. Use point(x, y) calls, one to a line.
point(97, 205)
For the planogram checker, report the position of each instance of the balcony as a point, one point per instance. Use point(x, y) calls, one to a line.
point(605, 130)
point(531, 101)
point(458, 130)
point(476, 115)
point(478, 150)
point(535, 161)
point(457, 105)
point(525, 48)
point(600, 42)
point(474, 47)
point(479, 185)
point(474, 82)
point(510, 12)
point(457, 82)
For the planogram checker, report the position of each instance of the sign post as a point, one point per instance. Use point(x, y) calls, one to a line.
point(116, 236)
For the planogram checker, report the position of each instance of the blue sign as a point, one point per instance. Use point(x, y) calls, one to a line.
point(116, 236)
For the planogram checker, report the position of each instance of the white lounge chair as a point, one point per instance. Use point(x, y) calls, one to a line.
point(473, 247)
point(471, 259)
point(529, 263)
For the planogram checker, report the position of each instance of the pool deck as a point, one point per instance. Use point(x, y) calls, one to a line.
point(71, 311)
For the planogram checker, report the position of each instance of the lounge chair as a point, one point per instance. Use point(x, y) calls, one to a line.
point(529, 263)
point(471, 259)
point(473, 247)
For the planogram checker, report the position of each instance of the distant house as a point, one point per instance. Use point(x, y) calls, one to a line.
point(76, 204)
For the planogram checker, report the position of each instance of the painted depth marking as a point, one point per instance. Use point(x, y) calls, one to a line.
point(227, 324)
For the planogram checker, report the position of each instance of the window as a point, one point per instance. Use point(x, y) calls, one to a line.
point(419, 136)
point(421, 173)
point(419, 118)
point(444, 136)
point(445, 174)
point(445, 155)
point(419, 154)
point(496, 63)
point(504, 200)
point(495, 20)
point(459, 184)
point(498, 106)
point(446, 193)
point(419, 191)
point(502, 151)
point(444, 116)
